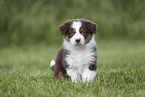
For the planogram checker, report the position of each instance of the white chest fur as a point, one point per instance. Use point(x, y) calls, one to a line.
point(79, 57)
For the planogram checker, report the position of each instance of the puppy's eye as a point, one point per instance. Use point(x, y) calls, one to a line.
point(72, 33)
point(83, 32)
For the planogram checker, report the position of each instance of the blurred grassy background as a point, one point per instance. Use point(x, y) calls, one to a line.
point(36, 21)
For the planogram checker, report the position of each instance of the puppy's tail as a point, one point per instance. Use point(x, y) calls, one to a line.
point(52, 64)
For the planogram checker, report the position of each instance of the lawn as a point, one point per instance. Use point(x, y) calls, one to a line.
point(25, 71)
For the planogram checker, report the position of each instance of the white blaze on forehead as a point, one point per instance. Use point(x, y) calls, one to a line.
point(76, 25)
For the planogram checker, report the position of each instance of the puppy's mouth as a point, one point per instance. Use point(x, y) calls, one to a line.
point(78, 44)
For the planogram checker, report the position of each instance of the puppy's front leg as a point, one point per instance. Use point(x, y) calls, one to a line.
point(73, 73)
point(90, 72)
point(88, 75)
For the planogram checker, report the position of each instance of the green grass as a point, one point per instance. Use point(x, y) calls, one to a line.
point(25, 71)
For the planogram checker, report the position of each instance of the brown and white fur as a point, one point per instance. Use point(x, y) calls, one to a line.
point(78, 57)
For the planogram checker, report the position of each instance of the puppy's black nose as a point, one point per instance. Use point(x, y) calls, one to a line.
point(77, 40)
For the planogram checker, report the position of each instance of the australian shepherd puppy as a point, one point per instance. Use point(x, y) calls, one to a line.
point(77, 58)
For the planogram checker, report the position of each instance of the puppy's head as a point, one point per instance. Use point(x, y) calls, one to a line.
point(78, 31)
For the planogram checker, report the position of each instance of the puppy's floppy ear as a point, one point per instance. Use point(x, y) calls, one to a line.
point(91, 26)
point(63, 28)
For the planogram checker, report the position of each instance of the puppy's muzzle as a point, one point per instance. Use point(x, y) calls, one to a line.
point(78, 41)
